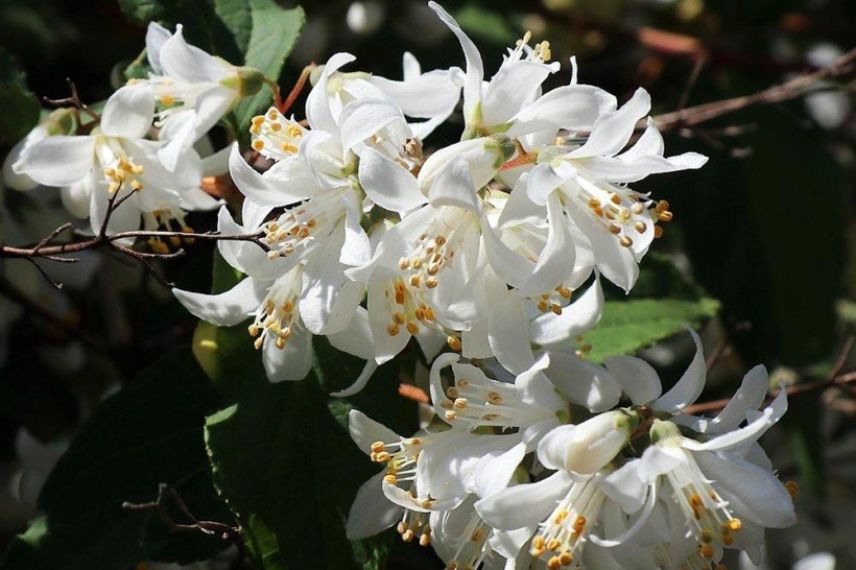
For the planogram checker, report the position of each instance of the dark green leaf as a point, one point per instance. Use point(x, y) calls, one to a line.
point(20, 108)
point(236, 15)
point(274, 31)
point(147, 434)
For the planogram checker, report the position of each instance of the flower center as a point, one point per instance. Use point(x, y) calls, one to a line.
point(274, 136)
point(564, 533)
point(278, 314)
point(707, 515)
point(487, 402)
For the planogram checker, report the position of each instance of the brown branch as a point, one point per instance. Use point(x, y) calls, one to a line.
point(210, 528)
point(791, 89)
point(834, 379)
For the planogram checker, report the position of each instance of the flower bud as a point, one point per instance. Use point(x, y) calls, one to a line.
point(663, 431)
point(484, 156)
point(247, 81)
point(596, 441)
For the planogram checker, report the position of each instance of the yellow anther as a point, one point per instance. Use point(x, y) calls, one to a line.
point(258, 144)
point(565, 558)
point(288, 147)
point(615, 199)
point(557, 309)
point(734, 525)
point(641, 227)
point(407, 536)
point(431, 282)
point(543, 306)
point(412, 328)
point(554, 563)
point(275, 127)
point(454, 343)
point(257, 344)
point(625, 241)
point(614, 229)
point(564, 292)
point(706, 551)
point(272, 115)
point(167, 100)
point(393, 329)
point(424, 539)
point(378, 446)
point(382, 457)
point(477, 535)
point(398, 318)
point(658, 231)
point(661, 206)
point(561, 516)
point(390, 478)
point(665, 216)
point(415, 280)
point(553, 544)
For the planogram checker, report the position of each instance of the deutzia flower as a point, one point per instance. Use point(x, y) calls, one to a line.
point(115, 160)
point(195, 89)
point(59, 122)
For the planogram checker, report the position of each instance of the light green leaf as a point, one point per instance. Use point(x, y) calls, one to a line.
point(274, 32)
point(149, 433)
point(627, 326)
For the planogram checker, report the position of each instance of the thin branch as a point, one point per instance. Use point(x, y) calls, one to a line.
point(832, 380)
point(210, 528)
point(285, 105)
point(791, 89)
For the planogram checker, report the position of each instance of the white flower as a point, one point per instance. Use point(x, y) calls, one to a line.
point(194, 89)
point(590, 180)
point(59, 122)
point(115, 159)
point(431, 96)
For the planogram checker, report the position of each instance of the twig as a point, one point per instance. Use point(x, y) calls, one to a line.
point(210, 528)
point(791, 89)
point(73, 99)
point(284, 106)
point(833, 379)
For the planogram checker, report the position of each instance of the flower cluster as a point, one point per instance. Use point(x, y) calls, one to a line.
point(489, 252)
point(535, 474)
point(492, 246)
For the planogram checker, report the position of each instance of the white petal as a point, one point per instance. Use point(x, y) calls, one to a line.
point(758, 489)
point(317, 103)
point(356, 338)
point(360, 381)
point(129, 112)
point(509, 335)
point(580, 316)
point(545, 178)
point(386, 346)
point(624, 171)
point(475, 68)
point(748, 397)
point(365, 431)
point(262, 190)
point(371, 513)
point(614, 262)
point(536, 389)
point(649, 144)
point(77, 197)
point(514, 84)
point(156, 37)
point(749, 433)
point(433, 94)
point(454, 187)
point(816, 561)
point(634, 528)
point(126, 217)
point(524, 505)
point(689, 387)
point(611, 131)
point(179, 59)
point(556, 260)
point(626, 487)
point(573, 107)
point(58, 160)
point(225, 309)
point(387, 183)
point(363, 118)
point(553, 447)
point(290, 363)
point(214, 164)
point(583, 382)
point(12, 178)
point(494, 470)
point(637, 378)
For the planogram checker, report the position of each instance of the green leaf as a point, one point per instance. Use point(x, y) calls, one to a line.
point(236, 16)
point(149, 433)
point(20, 107)
point(281, 454)
point(274, 32)
point(627, 326)
point(142, 11)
